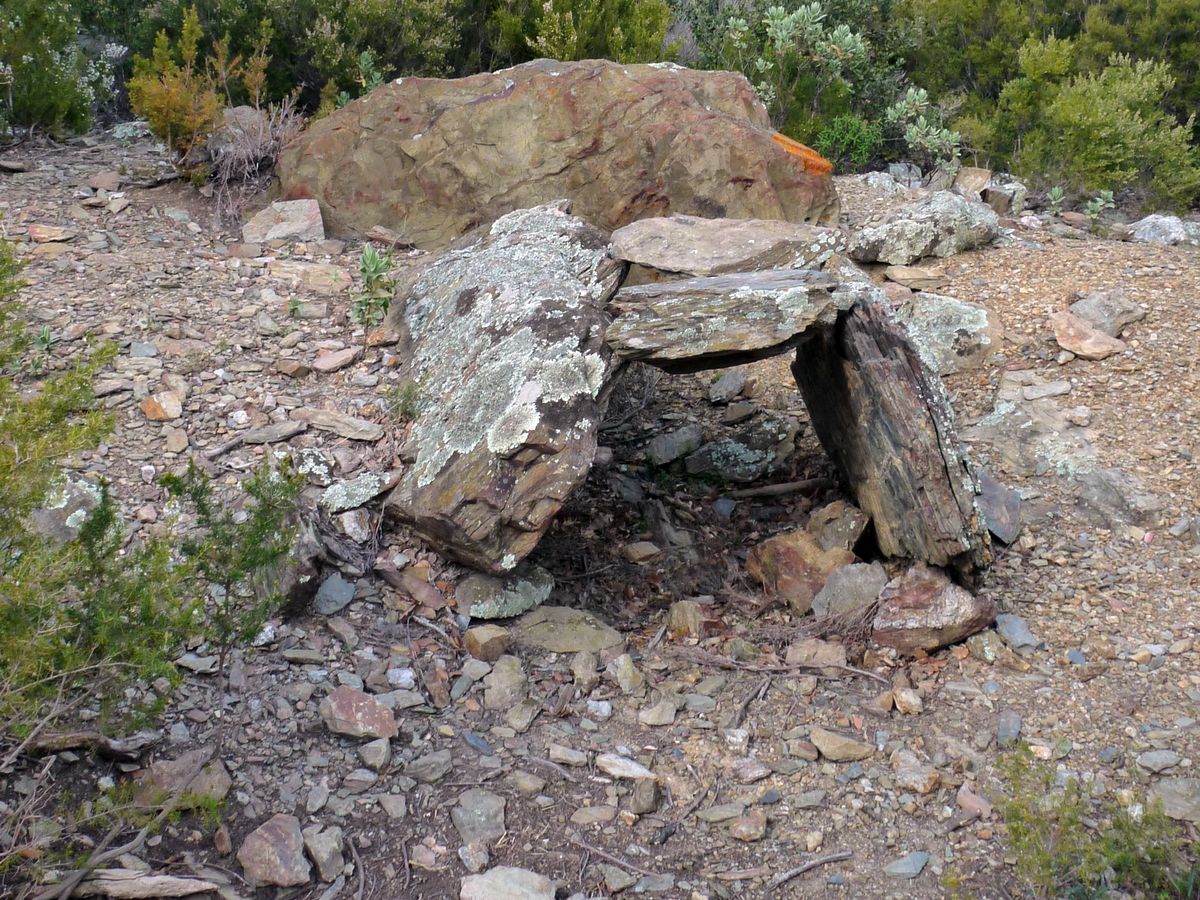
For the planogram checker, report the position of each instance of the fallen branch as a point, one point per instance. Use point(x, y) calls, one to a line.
point(784, 487)
point(102, 854)
point(127, 748)
point(358, 868)
point(704, 658)
point(760, 691)
point(555, 766)
point(784, 877)
point(603, 854)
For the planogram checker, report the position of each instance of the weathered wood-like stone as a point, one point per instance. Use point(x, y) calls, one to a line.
point(509, 328)
point(723, 320)
point(884, 419)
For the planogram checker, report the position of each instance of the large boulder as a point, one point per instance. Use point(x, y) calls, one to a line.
point(1162, 229)
point(431, 158)
point(941, 224)
point(506, 331)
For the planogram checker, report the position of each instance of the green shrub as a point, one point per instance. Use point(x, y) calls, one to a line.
point(850, 143)
point(1066, 845)
point(628, 31)
point(87, 615)
point(175, 91)
point(230, 548)
point(1110, 132)
point(46, 80)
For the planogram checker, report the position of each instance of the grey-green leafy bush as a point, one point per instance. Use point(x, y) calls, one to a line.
point(794, 57)
point(373, 299)
point(919, 124)
point(46, 78)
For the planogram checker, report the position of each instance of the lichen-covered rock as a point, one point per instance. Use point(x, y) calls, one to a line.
point(758, 449)
point(431, 158)
point(508, 328)
point(721, 320)
point(68, 506)
point(1168, 230)
point(941, 224)
point(952, 334)
point(669, 246)
point(489, 597)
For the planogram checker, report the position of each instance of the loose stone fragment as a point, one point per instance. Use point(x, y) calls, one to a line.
point(351, 712)
point(839, 747)
point(274, 853)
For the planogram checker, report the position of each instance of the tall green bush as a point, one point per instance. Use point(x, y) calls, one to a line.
point(46, 80)
point(1110, 131)
point(87, 613)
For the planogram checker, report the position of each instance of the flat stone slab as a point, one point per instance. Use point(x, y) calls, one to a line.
point(561, 629)
point(699, 247)
point(721, 320)
point(288, 220)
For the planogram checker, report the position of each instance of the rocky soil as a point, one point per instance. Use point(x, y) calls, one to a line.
point(619, 742)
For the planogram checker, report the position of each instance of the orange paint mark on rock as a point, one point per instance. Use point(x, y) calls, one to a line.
point(814, 162)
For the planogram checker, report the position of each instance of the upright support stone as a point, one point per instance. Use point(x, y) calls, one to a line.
point(505, 336)
point(884, 419)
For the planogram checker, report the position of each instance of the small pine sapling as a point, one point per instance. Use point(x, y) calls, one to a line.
point(230, 548)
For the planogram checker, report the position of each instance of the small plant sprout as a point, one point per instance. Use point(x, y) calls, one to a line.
point(404, 401)
point(44, 340)
point(1097, 205)
point(1055, 199)
point(372, 302)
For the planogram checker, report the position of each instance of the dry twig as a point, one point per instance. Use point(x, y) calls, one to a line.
point(779, 490)
point(784, 877)
point(704, 658)
point(760, 691)
point(603, 854)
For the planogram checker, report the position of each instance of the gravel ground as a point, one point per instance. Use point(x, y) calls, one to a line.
point(1111, 598)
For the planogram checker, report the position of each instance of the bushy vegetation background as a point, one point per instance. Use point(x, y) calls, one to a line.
point(1089, 94)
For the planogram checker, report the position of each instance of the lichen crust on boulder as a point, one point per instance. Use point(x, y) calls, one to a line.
point(505, 335)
